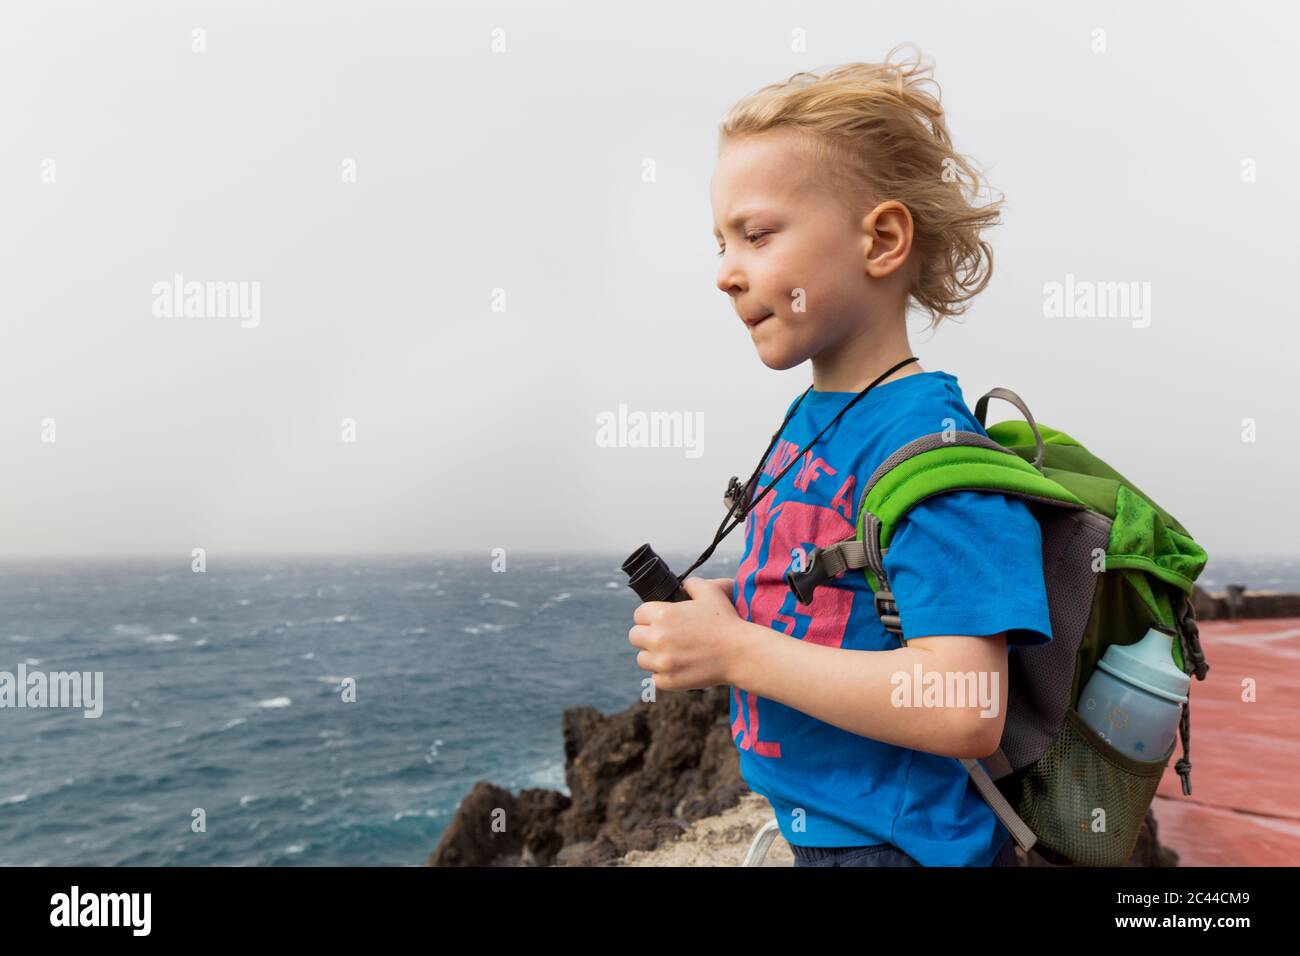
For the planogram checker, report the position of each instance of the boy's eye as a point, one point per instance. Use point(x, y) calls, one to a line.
point(750, 236)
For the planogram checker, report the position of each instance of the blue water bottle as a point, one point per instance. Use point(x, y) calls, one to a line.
point(1135, 697)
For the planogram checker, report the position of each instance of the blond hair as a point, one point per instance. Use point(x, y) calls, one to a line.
point(878, 133)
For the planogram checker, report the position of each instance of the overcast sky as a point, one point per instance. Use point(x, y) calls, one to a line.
point(380, 172)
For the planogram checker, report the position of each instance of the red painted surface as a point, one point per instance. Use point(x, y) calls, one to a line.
point(1244, 809)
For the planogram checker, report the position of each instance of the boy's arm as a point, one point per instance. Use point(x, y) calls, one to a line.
point(856, 690)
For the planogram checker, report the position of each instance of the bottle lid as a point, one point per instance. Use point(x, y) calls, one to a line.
point(1148, 664)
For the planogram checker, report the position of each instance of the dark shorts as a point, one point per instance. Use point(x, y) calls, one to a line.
point(881, 854)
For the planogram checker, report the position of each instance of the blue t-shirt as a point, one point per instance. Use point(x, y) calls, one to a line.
point(960, 563)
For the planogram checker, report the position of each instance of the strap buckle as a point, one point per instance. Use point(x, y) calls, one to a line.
point(804, 583)
point(887, 611)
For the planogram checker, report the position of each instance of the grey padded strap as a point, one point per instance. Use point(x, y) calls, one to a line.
point(873, 554)
point(1005, 393)
point(927, 443)
point(1017, 827)
point(997, 764)
point(851, 554)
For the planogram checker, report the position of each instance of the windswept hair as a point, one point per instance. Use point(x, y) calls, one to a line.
point(878, 133)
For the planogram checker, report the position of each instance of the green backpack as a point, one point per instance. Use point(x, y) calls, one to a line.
point(1115, 564)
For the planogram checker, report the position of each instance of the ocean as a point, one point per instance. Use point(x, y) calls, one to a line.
point(223, 691)
point(224, 698)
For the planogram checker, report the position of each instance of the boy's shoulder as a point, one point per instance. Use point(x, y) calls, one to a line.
point(932, 403)
point(912, 407)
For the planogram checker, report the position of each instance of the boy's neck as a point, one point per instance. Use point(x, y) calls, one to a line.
point(856, 362)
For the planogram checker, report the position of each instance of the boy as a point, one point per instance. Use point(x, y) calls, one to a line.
point(837, 201)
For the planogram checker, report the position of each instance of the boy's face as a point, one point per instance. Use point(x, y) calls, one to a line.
point(791, 249)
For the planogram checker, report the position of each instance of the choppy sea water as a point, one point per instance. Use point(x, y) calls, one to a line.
point(223, 691)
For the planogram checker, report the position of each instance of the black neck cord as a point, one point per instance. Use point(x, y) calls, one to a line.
point(720, 534)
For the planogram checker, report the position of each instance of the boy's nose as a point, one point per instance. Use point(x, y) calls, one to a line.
point(730, 280)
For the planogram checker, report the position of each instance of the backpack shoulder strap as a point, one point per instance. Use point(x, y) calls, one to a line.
point(930, 465)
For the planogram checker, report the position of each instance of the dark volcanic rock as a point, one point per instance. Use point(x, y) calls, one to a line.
point(636, 779)
point(635, 767)
point(494, 828)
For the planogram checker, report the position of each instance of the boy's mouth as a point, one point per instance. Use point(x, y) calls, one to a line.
point(754, 322)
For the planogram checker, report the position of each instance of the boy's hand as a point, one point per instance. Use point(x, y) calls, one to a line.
point(689, 645)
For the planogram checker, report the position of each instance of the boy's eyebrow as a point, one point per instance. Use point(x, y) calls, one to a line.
point(737, 219)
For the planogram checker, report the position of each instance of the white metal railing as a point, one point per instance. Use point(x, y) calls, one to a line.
point(762, 842)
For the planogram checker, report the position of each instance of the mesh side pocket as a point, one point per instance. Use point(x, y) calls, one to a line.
point(1078, 774)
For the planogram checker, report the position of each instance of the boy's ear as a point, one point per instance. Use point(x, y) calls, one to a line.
point(889, 230)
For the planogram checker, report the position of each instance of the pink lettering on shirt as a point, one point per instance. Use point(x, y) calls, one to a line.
point(780, 537)
point(810, 470)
